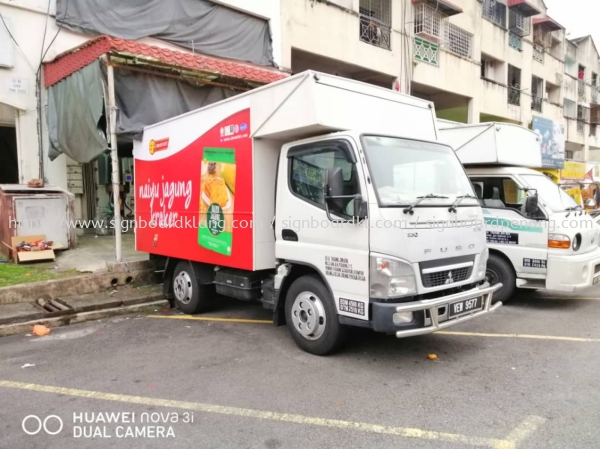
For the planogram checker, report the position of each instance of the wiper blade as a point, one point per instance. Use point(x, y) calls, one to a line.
point(459, 200)
point(409, 209)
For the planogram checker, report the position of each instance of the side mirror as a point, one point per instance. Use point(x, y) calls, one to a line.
point(335, 188)
point(591, 203)
point(532, 206)
point(361, 209)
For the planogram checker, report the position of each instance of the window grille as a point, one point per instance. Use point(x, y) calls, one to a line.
point(458, 41)
point(495, 11)
point(375, 22)
point(429, 22)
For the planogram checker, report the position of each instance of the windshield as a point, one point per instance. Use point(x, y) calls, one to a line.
point(550, 193)
point(404, 170)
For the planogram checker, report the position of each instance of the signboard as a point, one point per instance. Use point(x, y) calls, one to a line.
point(552, 141)
point(17, 86)
point(573, 171)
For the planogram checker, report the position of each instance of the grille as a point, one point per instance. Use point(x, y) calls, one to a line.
point(442, 277)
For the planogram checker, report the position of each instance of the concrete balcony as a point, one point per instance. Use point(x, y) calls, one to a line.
point(576, 131)
point(495, 101)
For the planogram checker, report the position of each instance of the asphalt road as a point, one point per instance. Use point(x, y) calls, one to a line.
point(230, 385)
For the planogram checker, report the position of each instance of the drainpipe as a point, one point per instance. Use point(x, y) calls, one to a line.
point(114, 155)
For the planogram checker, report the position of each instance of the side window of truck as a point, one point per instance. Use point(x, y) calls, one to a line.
point(309, 165)
point(499, 192)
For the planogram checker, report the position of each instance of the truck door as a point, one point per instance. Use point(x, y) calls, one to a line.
point(305, 235)
point(523, 239)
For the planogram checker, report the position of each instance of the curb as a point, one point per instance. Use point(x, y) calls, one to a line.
point(77, 285)
point(22, 328)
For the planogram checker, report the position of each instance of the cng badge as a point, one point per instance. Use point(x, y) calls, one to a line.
point(158, 145)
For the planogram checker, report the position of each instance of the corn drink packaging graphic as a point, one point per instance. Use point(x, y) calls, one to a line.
point(217, 199)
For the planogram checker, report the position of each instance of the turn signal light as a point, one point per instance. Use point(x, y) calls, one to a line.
point(559, 241)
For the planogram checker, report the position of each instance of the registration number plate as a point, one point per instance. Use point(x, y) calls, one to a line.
point(464, 307)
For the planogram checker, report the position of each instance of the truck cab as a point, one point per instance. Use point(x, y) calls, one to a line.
point(309, 198)
point(538, 236)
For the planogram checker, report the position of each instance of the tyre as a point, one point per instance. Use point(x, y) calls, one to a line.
point(312, 317)
point(190, 296)
point(500, 271)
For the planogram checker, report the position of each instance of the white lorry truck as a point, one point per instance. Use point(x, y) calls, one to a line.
point(539, 237)
point(318, 196)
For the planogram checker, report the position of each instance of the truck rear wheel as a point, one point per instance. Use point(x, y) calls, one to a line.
point(190, 296)
point(500, 271)
point(312, 317)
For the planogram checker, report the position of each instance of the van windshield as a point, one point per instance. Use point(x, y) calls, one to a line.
point(550, 193)
point(404, 170)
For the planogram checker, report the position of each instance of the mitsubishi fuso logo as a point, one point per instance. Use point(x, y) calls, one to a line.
point(450, 280)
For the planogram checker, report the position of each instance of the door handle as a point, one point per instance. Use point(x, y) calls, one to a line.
point(289, 235)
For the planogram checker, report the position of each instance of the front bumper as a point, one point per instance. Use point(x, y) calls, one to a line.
point(573, 272)
point(431, 315)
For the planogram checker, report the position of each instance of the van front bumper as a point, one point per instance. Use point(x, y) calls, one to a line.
point(573, 272)
point(431, 315)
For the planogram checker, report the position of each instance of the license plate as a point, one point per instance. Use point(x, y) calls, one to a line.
point(596, 280)
point(464, 307)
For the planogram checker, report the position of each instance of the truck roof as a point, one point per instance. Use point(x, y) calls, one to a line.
point(502, 170)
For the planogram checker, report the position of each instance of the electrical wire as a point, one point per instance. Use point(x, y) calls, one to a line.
point(16, 43)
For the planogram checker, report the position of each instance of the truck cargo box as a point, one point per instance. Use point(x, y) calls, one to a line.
point(205, 181)
point(492, 143)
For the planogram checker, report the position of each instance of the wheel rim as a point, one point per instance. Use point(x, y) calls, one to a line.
point(308, 315)
point(492, 276)
point(182, 287)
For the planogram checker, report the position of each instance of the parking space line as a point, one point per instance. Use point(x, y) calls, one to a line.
point(527, 336)
point(511, 442)
point(523, 431)
point(207, 318)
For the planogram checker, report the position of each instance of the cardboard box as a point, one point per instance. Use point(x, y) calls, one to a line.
point(32, 256)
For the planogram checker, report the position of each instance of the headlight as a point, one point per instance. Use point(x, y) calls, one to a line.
point(559, 241)
point(481, 268)
point(391, 278)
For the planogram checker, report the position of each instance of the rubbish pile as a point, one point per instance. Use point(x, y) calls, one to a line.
point(38, 245)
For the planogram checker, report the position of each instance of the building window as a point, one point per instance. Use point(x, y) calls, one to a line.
point(593, 130)
point(538, 53)
point(514, 85)
point(583, 116)
point(594, 87)
point(570, 109)
point(492, 69)
point(376, 22)
point(458, 41)
point(429, 22)
point(426, 51)
point(537, 89)
point(495, 11)
point(568, 154)
point(519, 24)
point(581, 83)
point(515, 41)
point(595, 114)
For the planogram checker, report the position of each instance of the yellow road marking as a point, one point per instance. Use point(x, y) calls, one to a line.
point(207, 318)
point(559, 298)
point(521, 432)
point(534, 337)
point(516, 436)
point(461, 334)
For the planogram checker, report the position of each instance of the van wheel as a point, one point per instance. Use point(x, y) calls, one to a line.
point(190, 296)
point(500, 271)
point(312, 317)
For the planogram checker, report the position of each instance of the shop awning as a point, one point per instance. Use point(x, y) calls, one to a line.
point(524, 7)
point(211, 69)
point(444, 6)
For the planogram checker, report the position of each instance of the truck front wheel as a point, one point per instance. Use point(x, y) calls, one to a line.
point(312, 317)
point(190, 296)
point(500, 271)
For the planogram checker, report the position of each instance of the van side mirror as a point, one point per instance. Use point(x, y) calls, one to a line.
point(532, 206)
point(361, 209)
point(335, 188)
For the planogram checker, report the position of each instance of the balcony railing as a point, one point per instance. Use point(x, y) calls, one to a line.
point(580, 126)
point(536, 103)
point(595, 94)
point(538, 53)
point(515, 41)
point(426, 51)
point(593, 130)
point(581, 89)
point(374, 32)
point(514, 96)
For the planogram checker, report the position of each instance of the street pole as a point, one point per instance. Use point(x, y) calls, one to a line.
point(114, 155)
